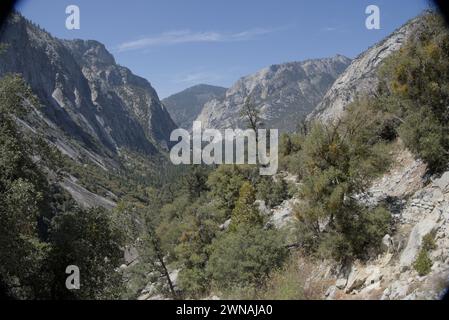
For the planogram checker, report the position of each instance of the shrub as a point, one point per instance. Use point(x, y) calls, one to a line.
point(428, 242)
point(245, 211)
point(272, 192)
point(414, 89)
point(338, 162)
point(423, 264)
point(245, 257)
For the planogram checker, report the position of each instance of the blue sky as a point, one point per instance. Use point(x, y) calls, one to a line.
point(179, 43)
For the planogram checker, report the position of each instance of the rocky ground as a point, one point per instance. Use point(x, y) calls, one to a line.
point(420, 205)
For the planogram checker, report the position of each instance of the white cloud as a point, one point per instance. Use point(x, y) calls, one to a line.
point(187, 36)
point(197, 77)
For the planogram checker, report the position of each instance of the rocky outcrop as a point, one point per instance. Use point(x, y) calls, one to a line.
point(184, 107)
point(86, 97)
point(425, 210)
point(360, 78)
point(284, 94)
point(84, 197)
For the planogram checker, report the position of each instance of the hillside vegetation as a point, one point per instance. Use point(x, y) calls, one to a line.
point(209, 225)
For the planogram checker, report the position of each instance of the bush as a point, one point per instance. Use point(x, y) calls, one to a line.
point(338, 162)
point(428, 242)
point(245, 211)
point(426, 138)
point(414, 89)
point(272, 192)
point(423, 264)
point(245, 257)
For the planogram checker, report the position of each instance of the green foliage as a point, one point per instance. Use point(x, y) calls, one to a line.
point(289, 148)
point(245, 211)
point(192, 252)
point(22, 190)
point(41, 232)
point(195, 182)
point(414, 88)
point(423, 264)
point(273, 192)
point(295, 280)
point(245, 257)
point(338, 162)
point(89, 240)
point(426, 137)
point(225, 183)
point(428, 242)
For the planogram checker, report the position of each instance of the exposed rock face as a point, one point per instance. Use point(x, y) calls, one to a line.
point(360, 77)
point(184, 107)
point(284, 94)
point(425, 210)
point(84, 197)
point(84, 93)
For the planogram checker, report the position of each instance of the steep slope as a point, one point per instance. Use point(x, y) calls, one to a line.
point(86, 96)
point(284, 94)
point(361, 76)
point(186, 105)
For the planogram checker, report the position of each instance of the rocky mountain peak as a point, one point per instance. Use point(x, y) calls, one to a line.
point(90, 51)
point(284, 93)
point(360, 77)
point(86, 96)
point(185, 106)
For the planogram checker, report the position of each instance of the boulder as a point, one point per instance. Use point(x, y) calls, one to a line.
point(387, 242)
point(341, 283)
point(356, 280)
point(443, 182)
point(225, 226)
point(374, 277)
point(331, 292)
point(424, 227)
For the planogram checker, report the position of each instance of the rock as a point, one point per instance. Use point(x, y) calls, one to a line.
point(356, 280)
point(284, 93)
point(443, 182)
point(386, 294)
point(174, 277)
point(263, 209)
point(131, 254)
point(331, 292)
point(387, 242)
point(283, 214)
point(424, 227)
point(369, 289)
point(225, 226)
point(185, 106)
point(157, 297)
point(145, 296)
point(74, 80)
point(375, 276)
point(398, 290)
point(360, 77)
point(341, 283)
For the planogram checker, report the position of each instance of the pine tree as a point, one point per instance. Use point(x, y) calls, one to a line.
point(245, 211)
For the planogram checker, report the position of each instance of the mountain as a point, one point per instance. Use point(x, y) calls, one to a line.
point(361, 76)
point(89, 102)
point(285, 94)
point(185, 106)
